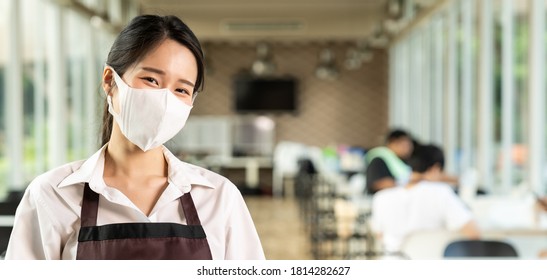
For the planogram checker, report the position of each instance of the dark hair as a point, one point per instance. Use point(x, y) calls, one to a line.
point(424, 157)
point(397, 134)
point(139, 37)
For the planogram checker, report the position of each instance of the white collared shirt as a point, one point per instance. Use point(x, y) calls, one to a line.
point(400, 211)
point(47, 220)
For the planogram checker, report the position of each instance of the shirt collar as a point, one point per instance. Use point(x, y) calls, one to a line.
point(179, 171)
point(180, 174)
point(86, 171)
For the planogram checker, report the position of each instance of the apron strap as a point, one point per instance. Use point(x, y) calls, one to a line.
point(189, 209)
point(90, 205)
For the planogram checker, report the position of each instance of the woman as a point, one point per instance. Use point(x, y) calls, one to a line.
point(133, 199)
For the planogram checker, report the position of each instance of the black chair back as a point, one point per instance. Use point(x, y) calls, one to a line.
point(479, 248)
point(5, 233)
point(7, 209)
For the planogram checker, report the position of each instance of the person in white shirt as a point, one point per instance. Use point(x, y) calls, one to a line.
point(424, 204)
point(133, 199)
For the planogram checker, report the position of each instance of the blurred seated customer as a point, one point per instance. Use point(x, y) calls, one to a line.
point(386, 167)
point(423, 204)
point(542, 203)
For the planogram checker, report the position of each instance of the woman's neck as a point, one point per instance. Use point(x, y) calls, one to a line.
point(123, 158)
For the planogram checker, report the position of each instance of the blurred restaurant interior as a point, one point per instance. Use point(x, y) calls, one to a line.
point(296, 93)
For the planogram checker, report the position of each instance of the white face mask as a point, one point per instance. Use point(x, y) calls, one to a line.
point(148, 117)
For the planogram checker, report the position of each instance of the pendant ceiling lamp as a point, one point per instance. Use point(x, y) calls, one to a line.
point(263, 65)
point(326, 68)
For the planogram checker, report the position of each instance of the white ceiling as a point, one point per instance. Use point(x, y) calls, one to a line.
point(275, 19)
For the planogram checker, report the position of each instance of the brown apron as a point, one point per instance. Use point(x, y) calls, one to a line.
point(141, 241)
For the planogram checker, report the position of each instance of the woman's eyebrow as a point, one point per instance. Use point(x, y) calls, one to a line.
point(160, 72)
point(154, 70)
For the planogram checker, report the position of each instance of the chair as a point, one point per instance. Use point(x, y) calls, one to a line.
point(7, 212)
point(5, 233)
point(479, 248)
point(285, 164)
point(427, 244)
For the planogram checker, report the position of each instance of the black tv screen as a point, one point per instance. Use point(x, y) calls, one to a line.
point(267, 95)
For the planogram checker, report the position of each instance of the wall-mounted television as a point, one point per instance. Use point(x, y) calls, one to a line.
point(265, 94)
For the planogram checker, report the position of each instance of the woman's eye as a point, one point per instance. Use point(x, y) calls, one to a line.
point(150, 80)
point(183, 91)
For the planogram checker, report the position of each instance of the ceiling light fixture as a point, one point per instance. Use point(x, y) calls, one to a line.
point(379, 38)
point(356, 56)
point(263, 65)
point(395, 8)
point(326, 69)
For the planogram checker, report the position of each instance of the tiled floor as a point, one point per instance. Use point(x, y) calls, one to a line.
point(279, 227)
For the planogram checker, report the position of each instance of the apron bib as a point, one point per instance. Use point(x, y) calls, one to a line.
point(141, 241)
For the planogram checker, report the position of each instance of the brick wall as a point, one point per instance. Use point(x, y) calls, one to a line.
point(350, 110)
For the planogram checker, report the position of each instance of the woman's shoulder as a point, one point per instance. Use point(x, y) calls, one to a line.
point(215, 179)
point(44, 193)
point(53, 177)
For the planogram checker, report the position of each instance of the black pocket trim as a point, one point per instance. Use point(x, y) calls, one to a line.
point(140, 230)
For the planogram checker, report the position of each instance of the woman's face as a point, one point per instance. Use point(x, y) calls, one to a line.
point(170, 65)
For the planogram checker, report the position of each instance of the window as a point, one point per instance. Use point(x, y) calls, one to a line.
point(493, 89)
point(4, 12)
